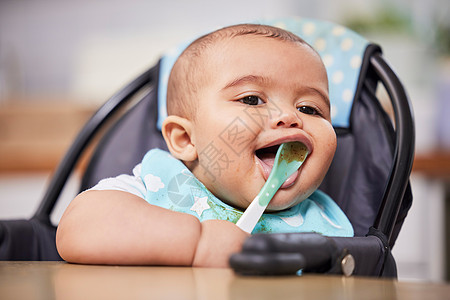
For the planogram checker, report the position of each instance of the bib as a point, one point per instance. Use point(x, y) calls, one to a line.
point(170, 184)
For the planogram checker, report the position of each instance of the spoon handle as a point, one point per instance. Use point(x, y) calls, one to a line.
point(255, 210)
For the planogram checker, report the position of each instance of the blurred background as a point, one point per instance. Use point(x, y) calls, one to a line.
point(60, 60)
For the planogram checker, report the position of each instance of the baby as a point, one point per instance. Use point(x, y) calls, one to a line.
point(233, 97)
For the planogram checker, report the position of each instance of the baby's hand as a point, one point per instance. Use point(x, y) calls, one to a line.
point(218, 240)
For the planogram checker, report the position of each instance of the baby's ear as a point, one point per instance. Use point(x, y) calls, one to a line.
point(177, 132)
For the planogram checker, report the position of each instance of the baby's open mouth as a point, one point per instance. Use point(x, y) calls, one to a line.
point(266, 157)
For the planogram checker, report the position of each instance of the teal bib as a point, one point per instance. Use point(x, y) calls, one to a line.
point(169, 184)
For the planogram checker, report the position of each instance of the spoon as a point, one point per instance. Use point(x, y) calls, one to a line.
point(288, 159)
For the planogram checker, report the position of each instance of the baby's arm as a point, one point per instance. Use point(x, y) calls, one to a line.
point(114, 227)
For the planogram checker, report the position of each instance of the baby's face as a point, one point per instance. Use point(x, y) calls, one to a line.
point(260, 93)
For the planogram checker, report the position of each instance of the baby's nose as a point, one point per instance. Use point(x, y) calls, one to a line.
point(286, 120)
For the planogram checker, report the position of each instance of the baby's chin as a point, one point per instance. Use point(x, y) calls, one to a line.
point(282, 200)
point(281, 203)
point(279, 207)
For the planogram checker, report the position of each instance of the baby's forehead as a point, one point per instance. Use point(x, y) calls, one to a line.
point(204, 58)
point(220, 48)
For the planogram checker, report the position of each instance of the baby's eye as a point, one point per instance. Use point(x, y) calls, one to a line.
point(252, 100)
point(308, 110)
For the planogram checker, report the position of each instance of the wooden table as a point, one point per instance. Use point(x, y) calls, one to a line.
point(59, 280)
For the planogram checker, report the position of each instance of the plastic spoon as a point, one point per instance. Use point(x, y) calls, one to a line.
point(288, 159)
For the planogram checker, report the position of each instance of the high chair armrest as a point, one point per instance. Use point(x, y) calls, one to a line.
point(284, 253)
point(288, 253)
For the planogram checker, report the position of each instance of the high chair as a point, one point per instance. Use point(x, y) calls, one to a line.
point(368, 179)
